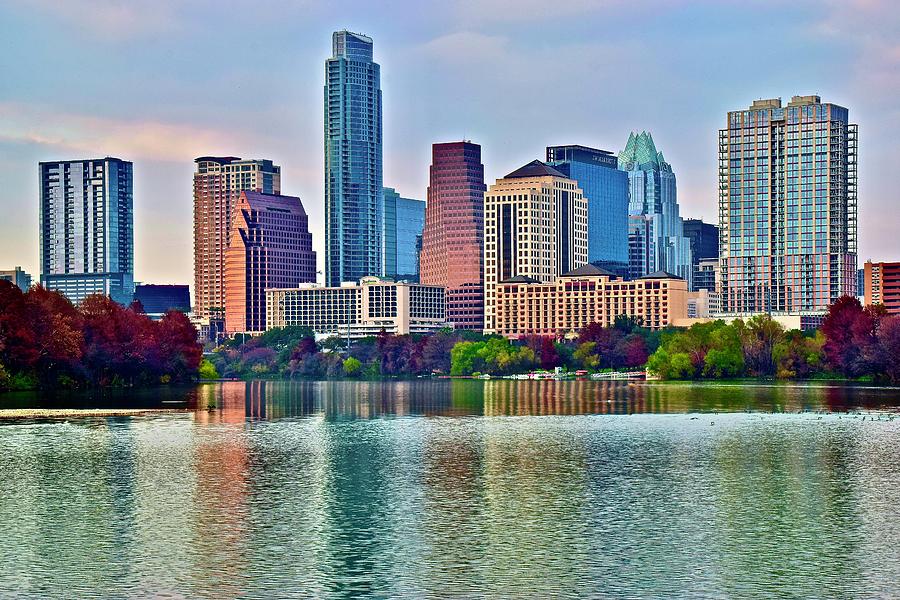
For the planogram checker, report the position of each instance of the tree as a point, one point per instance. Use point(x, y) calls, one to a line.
point(207, 370)
point(585, 356)
point(351, 366)
point(889, 344)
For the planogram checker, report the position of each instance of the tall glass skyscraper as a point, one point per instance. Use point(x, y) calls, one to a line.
point(354, 202)
point(652, 193)
point(404, 219)
point(605, 188)
point(87, 228)
point(787, 206)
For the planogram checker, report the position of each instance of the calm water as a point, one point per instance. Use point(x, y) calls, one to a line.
point(458, 489)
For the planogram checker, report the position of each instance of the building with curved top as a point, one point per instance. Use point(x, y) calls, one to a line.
point(653, 207)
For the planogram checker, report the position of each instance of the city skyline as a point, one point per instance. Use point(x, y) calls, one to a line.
point(429, 74)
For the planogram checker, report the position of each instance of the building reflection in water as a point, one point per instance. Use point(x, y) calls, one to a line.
point(236, 402)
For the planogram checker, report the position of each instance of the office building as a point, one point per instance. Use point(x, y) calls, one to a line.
point(17, 277)
point(589, 294)
point(358, 310)
point(881, 282)
point(404, 219)
point(605, 188)
point(87, 228)
point(704, 242)
point(703, 304)
point(453, 239)
point(787, 206)
point(641, 246)
point(535, 227)
point(354, 201)
point(218, 181)
point(652, 194)
point(708, 275)
point(270, 247)
point(157, 300)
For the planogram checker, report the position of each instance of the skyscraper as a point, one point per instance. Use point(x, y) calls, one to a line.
point(270, 247)
point(652, 193)
point(218, 181)
point(354, 201)
point(787, 206)
point(87, 228)
point(453, 239)
point(704, 239)
point(404, 219)
point(606, 191)
point(535, 228)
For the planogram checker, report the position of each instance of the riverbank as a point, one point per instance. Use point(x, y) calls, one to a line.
point(10, 414)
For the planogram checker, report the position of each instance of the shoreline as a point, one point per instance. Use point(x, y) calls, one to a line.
point(13, 414)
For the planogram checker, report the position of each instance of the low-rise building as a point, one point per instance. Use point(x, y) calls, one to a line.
point(802, 320)
point(18, 277)
point(703, 303)
point(588, 294)
point(359, 309)
point(882, 284)
point(157, 300)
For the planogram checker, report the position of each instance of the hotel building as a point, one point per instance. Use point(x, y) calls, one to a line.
point(881, 281)
point(586, 295)
point(354, 199)
point(453, 239)
point(535, 227)
point(87, 228)
point(359, 310)
point(787, 206)
point(218, 181)
point(270, 247)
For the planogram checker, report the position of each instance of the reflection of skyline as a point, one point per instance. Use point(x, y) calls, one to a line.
point(245, 499)
point(235, 402)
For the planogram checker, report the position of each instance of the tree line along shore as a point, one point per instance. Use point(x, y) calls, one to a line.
point(48, 343)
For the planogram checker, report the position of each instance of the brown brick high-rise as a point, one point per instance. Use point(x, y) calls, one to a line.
point(453, 238)
point(218, 182)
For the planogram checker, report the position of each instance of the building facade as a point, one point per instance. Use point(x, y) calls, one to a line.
point(787, 206)
point(652, 193)
point(354, 200)
point(881, 282)
point(404, 220)
point(452, 253)
point(17, 277)
point(535, 226)
point(589, 294)
point(358, 310)
point(157, 300)
point(270, 247)
point(605, 188)
point(87, 228)
point(218, 182)
point(704, 242)
point(708, 275)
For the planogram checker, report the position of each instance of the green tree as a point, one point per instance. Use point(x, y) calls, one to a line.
point(351, 366)
point(208, 370)
point(585, 356)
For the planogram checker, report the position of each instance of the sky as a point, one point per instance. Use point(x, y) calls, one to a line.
point(164, 81)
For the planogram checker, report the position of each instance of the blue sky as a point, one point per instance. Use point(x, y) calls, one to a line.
point(162, 82)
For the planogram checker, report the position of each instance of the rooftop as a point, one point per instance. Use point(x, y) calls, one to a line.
point(590, 270)
point(534, 169)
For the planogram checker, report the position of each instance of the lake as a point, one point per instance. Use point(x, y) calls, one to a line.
point(456, 489)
